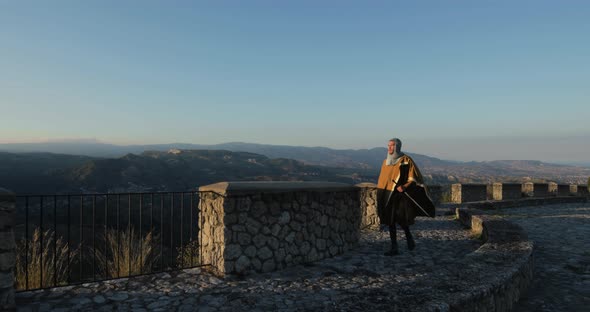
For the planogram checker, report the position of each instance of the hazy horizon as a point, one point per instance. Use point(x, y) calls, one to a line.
point(509, 151)
point(460, 80)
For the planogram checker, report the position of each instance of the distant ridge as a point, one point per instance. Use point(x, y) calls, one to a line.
point(323, 156)
point(179, 169)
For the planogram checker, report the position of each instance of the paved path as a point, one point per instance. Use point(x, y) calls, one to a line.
point(361, 279)
point(561, 234)
point(355, 281)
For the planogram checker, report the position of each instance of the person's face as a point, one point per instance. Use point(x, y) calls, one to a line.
point(391, 147)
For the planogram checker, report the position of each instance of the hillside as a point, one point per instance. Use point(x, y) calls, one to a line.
point(175, 170)
point(180, 170)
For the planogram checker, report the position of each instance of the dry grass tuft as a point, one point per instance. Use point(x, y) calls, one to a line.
point(128, 254)
point(188, 256)
point(37, 258)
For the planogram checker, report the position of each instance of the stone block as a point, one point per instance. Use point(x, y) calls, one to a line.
point(461, 193)
point(583, 190)
point(528, 189)
point(7, 260)
point(563, 190)
point(7, 241)
point(6, 280)
point(506, 191)
point(573, 190)
point(541, 190)
point(435, 192)
point(552, 188)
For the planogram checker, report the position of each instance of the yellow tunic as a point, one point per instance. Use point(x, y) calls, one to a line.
point(390, 206)
point(390, 175)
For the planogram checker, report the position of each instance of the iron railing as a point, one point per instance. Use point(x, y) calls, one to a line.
point(72, 239)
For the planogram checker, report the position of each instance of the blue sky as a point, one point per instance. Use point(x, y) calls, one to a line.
point(464, 80)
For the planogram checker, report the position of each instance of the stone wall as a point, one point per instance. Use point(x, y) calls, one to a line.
point(7, 249)
point(266, 226)
point(506, 191)
point(541, 189)
point(436, 193)
point(523, 202)
point(552, 188)
point(563, 190)
point(368, 202)
point(528, 189)
point(462, 193)
point(583, 190)
point(501, 238)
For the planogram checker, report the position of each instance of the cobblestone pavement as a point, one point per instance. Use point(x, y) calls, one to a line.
point(561, 234)
point(357, 280)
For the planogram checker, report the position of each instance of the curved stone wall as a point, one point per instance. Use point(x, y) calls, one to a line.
point(502, 238)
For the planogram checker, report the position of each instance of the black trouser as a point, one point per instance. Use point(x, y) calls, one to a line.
point(395, 198)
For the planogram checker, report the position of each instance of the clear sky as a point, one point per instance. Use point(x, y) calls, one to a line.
point(464, 80)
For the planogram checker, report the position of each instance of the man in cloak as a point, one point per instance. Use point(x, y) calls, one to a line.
point(401, 194)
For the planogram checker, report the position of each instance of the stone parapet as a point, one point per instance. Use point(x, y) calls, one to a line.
point(7, 249)
point(436, 193)
point(573, 190)
point(528, 189)
point(368, 202)
point(563, 190)
point(500, 237)
point(552, 188)
point(266, 226)
point(523, 202)
point(506, 191)
point(461, 193)
point(583, 190)
point(541, 189)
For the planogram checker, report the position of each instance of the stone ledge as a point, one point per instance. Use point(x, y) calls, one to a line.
point(501, 238)
point(240, 188)
point(523, 202)
point(366, 185)
point(7, 200)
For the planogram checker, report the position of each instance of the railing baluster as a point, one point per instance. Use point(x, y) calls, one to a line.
point(181, 229)
point(162, 232)
point(27, 243)
point(118, 256)
point(81, 236)
point(94, 237)
point(41, 242)
point(68, 239)
point(129, 233)
point(54, 240)
point(140, 235)
point(191, 243)
point(171, 230)
point(106, 233)
point(152, 229)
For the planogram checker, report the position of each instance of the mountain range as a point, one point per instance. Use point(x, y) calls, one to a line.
point(34, 168)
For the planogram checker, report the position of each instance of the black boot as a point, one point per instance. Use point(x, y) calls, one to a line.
point(393, 237)
point(409, 238)
point(393, 251)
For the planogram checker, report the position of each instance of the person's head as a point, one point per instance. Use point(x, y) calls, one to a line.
point(394, 145)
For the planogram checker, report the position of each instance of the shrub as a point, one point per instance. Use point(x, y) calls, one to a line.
point(34, 258)
point(127, 253)
point(188, 256)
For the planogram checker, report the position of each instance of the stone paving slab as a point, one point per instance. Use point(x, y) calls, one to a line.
point(440, 268)
point(561, 234)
